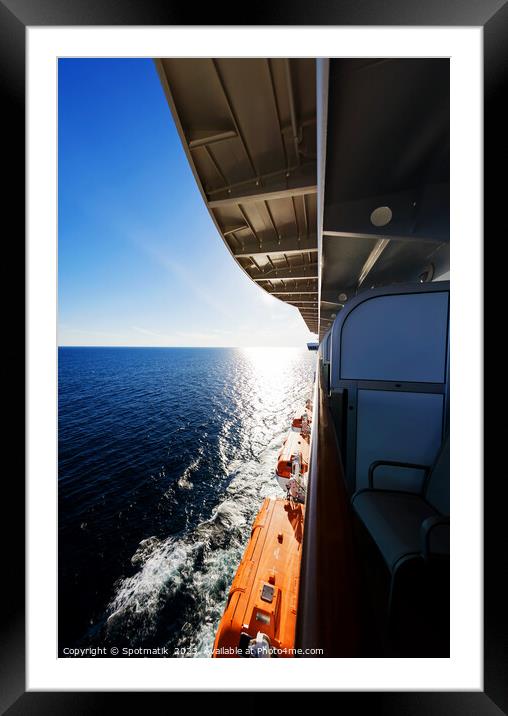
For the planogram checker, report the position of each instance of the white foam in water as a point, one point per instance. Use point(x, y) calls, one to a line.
point(168, 566)
point(143, 594)
point(184, 480)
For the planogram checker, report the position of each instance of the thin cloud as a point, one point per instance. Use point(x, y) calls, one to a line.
point(179, 270)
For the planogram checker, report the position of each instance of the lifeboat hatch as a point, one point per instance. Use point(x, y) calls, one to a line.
point(267, 593)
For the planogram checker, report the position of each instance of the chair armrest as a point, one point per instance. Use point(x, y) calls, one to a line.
point(394, 463)
point(428, 526)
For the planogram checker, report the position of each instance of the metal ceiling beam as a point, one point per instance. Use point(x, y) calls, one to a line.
point(292, 292)
point(289, 246)
point(292, 110)
point(234, 229)
point(272, 221)
point(374, 255)
point(249, 224)
point(304, 170)
point(296, 273)
point(353, 235)
point(262, 195)
point(211, 158)
point(233, 116)
point(268, 66)
point(210, 138)
point(334, 304)
point(305, 217)
point(270, 251)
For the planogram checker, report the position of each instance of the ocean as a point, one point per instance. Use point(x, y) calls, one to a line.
point(165, 455)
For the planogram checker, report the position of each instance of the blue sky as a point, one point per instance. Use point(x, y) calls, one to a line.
point(140, 262)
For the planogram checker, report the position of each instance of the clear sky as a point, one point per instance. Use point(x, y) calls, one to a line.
point(140, 260)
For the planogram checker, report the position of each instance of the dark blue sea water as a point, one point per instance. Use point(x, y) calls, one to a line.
point(165, 455)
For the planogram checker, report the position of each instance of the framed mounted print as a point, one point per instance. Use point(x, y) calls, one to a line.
point(254, 389)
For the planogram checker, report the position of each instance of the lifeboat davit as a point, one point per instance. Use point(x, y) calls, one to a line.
point(293, 459)
point(260, 615)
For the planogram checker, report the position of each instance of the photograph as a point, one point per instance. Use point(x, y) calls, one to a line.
point(253, 357)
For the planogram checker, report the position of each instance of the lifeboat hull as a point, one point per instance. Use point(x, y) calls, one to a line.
point(294, 444)
point(263, 597)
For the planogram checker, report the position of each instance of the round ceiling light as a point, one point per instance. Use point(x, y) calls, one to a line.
point(381, 216)
point(342, 296)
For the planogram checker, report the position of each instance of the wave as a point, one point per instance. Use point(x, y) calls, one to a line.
point(184, 481)
point(195, 569)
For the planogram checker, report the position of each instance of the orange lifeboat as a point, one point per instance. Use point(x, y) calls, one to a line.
point(294, 454)
point(260, 615)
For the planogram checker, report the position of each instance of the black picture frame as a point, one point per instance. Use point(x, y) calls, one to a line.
point(15, 16)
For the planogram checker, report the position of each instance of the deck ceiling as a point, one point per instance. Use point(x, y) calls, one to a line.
point(387, 145)
point(252, 130)
point(248, 127)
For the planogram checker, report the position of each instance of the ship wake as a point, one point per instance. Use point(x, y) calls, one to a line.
point(183, 581)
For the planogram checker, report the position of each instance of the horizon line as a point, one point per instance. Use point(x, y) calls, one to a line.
point(128, 346)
